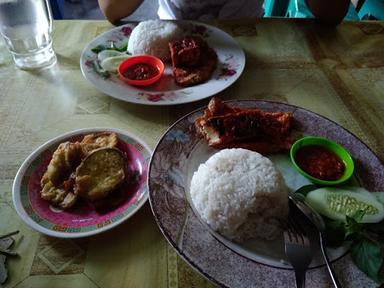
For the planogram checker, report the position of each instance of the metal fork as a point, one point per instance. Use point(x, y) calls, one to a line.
point(297, 250)
point(318, 222)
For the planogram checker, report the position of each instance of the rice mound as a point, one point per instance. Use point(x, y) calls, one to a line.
point(152, 37)
point(240, 194)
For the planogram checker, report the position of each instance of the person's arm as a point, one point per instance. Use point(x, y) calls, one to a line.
point(115, 10)
point(329, 11)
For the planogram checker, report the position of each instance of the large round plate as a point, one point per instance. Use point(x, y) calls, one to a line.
point(254, 263)
point(81, 220)
point(231, 62)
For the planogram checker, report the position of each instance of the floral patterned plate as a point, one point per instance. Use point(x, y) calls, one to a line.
point(81, 220)
point(231, 62)
point(253, 263)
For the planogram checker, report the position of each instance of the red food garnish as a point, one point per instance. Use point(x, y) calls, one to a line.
point(141, 71)
point(320, 163)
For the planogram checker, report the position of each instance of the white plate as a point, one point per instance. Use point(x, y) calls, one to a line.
point(80, 220)
point(231, 62)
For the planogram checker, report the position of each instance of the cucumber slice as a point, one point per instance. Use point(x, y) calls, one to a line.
point(380, 197)
point(336, 203)
point(108, 53)
point(111, 64)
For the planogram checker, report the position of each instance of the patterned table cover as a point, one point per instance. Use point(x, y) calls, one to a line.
point(336, 72)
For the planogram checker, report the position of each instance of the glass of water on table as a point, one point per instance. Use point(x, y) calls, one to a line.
point(26, 26)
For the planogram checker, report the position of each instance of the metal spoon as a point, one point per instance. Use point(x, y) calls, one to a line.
point(318, 222)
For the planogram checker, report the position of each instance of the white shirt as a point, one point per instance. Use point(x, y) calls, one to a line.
point(209, 9)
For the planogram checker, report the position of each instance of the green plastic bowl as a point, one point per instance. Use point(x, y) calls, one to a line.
point(331, 146)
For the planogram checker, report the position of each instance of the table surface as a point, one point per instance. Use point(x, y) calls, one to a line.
point(336, 72)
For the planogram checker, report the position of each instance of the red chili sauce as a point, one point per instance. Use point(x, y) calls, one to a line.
point(141, 71)
point(320, 162)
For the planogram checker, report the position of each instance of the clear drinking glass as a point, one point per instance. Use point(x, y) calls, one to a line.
point(26, 26)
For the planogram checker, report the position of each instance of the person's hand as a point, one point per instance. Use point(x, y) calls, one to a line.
point(115, 10)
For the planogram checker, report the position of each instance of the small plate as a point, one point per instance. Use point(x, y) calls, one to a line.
point(141, 59)
point(80, 220)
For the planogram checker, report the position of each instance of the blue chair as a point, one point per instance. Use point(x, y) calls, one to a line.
point(57, 8)
point(275, 8)
point(372, 10)
point(72, 9)
point(298, 9)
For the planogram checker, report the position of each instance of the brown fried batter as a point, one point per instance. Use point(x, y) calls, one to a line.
point(57, 183)
point(64, 161)
point(98, 140)
point(58, 196)
point(100, 173)
point(226, 127)
point(193, 61)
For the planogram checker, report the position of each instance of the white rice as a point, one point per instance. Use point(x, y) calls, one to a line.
point(240, 194)
point(152, 37)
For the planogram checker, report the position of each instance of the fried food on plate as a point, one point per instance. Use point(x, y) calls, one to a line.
point(58, 181)
point(100, 173)
point(94, 141)
point(225, 127)
point(112, 200)
point(64, 161)
point(193, 61)
point(59, 196)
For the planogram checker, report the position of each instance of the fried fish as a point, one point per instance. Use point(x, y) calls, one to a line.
point(193, 61)
point(225, 127)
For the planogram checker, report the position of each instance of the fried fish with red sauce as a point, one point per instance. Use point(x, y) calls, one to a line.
point(193, 61)
point(225, 127)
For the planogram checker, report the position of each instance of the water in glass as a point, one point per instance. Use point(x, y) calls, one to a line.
point(26, 26)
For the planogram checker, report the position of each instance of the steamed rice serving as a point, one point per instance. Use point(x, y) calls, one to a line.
point(152, 37)
point(240, 194)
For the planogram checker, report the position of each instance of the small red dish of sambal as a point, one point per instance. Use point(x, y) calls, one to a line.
point(141, 70)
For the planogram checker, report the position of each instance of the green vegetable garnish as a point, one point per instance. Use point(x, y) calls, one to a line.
point(345, 211)
point(98, 48)
point(369, 258)
point(111, 46)
point(339, 203)
point(99, 70)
